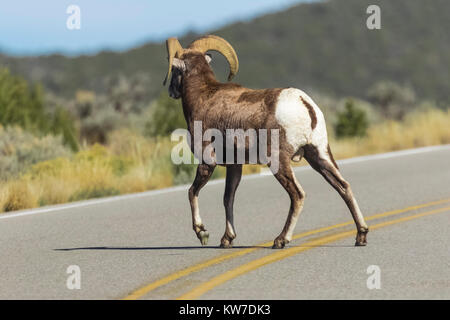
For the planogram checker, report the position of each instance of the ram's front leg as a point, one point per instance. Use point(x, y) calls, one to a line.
point(204, 172)
point(234, 173)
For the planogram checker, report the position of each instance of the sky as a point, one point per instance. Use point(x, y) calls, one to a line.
point(40, 27)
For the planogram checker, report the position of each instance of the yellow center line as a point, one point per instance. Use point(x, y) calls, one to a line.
point(182, 273)
point(282, 254)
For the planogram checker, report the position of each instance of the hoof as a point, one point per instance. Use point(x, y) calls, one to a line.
point(361, 237)
point(203, 236)
point(226, 243)
point(279, 243)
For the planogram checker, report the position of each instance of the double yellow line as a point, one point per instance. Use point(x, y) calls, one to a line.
point(278, 255)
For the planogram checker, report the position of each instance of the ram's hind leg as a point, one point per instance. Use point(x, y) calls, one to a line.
point(322, 161)
point(204, 172)
point(287, 179)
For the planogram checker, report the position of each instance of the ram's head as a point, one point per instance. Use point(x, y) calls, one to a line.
point(183, 61)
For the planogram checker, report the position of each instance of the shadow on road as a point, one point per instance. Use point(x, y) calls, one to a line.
point(160, 248)
point(195, 247)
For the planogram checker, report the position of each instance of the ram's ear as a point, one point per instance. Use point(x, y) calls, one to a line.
point(179, 64)
point(208, 58)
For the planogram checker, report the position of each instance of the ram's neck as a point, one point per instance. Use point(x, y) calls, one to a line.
point(195, 90)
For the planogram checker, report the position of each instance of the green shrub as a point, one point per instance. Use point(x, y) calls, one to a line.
point(122, 105)
point(393, 100)
point(62, 124)
point(23, 106)
point(352, 122)
point(167, 115)
point(96, 127)
point(19, 150)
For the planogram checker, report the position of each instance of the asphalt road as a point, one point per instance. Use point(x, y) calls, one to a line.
point(135, 246)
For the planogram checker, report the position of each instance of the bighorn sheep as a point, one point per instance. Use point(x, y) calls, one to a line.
point(228, 105)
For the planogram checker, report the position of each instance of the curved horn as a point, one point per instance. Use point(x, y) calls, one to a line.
point(174, 50)
point(218, 44)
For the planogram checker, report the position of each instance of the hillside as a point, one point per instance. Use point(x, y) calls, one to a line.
point(323, 46)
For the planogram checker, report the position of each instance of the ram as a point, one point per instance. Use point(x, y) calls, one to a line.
point(222, 106)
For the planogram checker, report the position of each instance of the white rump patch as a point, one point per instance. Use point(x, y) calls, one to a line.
point(294, 117)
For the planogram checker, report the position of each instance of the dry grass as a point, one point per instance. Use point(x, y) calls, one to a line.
point(132, 163)
point(18, 195)
point(425, 128)
point(129, 164)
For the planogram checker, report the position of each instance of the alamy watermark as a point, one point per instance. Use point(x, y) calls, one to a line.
point(373, 21)
point(73, 22)
point(374, 280)
point(231, 146)
point(74, 279)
